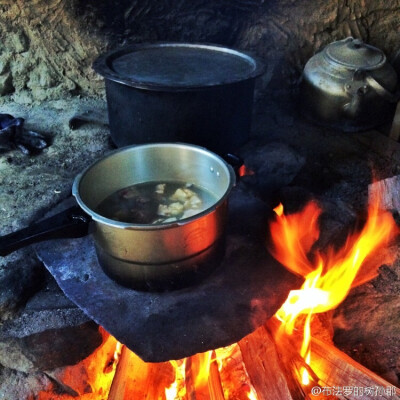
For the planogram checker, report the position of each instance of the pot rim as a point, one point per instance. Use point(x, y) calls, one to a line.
point(102, 65)
point(153, 227)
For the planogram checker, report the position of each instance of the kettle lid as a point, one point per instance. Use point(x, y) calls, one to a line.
point(354, 54)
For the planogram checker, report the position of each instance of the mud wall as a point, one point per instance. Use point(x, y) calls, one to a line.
point(47, 46)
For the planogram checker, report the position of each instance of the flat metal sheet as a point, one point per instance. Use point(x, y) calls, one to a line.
point(177, 66)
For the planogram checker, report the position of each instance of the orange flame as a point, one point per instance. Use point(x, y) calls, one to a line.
point(245, 171)
point(332, 274)
point(199, 371)
point(177, 388)
point(201, 367)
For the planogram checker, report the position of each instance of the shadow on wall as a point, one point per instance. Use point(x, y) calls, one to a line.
point(124, 21)
point(43, 57)
point(286, 33)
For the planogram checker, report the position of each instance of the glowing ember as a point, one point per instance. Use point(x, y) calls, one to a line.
point(328, 276)
point(214, 375)
point(117, 352)
point(245, 171)
point(171, 392)
point(177, 390)
point(251, 394)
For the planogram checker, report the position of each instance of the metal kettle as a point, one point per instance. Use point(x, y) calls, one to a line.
point(349, 85)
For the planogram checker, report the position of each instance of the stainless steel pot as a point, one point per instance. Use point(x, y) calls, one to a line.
point(152, 254)
point(349, 85)
point(155, 257)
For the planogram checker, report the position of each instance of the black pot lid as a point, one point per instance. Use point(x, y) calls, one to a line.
point(355, 54)
point(177, 66)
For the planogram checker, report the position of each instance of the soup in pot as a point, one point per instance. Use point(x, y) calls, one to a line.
point(156, 202)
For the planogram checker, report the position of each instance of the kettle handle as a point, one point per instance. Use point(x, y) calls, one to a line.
point(390, 97)
point(354, 106)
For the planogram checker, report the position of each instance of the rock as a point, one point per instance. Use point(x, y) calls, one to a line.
point(275, 165)
point(19, 65)
point(366, 328)
point(15, 385)
point(41, 77)
point(51, 348)
point(5, 61)
point(50, 332)
point(6, 85)
point(21, 275)
point(90, 377)
point(17, 41)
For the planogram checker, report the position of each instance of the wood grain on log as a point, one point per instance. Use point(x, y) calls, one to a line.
point(335, 368)
point(262, 365)
point(135, 379)
point(270, 368)
point(388, 190)
point(214, 381)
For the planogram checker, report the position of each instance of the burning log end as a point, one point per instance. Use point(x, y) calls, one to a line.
point(214, 380)
point(388, 190)
point(329, 367)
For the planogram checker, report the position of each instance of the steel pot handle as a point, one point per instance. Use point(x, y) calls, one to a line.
point(71, 223)
point(235, 161)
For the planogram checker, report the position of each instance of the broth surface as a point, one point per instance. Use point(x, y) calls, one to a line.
point(156, 202)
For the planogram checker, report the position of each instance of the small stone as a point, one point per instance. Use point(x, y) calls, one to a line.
point(4, 62)
point(18, 41)
point(37, 339)
point(15, 385)
point(20, 276)
point(41, 77)
point(6, 85)
point(275, 165)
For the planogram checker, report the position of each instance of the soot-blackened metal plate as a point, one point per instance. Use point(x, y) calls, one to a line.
point(241, 294)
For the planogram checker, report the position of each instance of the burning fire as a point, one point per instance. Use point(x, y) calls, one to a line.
point(221, 374)
point(329, 275)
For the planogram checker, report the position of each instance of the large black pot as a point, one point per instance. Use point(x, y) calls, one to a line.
point(179, 92)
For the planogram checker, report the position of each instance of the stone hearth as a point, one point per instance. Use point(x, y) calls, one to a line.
point(293, 160)
point(46, 51)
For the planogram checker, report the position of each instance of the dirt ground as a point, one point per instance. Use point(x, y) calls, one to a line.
point(30, 185)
